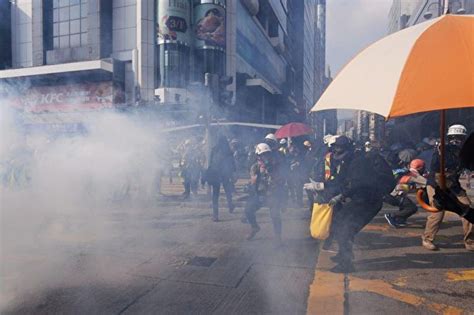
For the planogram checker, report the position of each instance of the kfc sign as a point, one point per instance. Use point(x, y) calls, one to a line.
point(63, 98)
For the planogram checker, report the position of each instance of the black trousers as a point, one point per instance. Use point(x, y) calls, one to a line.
point(351, 219)
point(216, 189)
point(406, 207)
point(275, 203)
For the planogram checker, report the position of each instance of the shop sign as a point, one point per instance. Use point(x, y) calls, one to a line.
point(174, 21)
point(63, 98)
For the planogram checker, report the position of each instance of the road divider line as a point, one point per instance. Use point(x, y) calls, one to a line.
point(386, 289)
point(326, 293)
point(465, 275)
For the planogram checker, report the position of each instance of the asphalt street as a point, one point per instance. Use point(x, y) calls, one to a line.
point(168, 257)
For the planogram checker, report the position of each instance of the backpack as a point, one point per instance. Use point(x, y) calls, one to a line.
point(384, 180)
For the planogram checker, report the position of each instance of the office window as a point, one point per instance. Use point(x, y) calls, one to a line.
point(69, 23)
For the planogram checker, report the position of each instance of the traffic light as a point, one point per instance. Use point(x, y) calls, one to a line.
point(225, 96)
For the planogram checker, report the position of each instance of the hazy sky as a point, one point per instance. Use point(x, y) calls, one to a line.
point(351, 25)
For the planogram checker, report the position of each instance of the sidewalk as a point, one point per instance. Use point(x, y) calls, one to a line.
point(396, 275)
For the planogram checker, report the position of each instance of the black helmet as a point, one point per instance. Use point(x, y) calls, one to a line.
point(342, 141)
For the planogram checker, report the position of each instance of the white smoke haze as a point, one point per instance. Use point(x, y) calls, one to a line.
point(61, 189)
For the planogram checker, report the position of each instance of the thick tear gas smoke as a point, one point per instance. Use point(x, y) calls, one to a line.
point(54, 189)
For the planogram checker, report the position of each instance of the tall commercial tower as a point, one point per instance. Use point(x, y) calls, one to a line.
point(155, 53)
point(308, 35)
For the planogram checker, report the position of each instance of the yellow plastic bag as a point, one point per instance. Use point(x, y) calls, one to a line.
point(321, 219)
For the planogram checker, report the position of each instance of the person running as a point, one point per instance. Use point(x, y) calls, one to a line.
point(456, 136)
point(267, 188)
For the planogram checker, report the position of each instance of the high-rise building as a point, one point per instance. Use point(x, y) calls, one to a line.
point(5, 35)
point(157, 52)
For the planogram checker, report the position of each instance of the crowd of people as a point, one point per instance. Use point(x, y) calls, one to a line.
point(354, 179)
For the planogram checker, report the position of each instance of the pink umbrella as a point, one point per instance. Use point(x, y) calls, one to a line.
point(293, 130)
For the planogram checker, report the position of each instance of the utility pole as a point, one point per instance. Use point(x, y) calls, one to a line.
point(211, 81)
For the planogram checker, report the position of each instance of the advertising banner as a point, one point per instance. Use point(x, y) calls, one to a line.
point(174, 21)
point(210, 26)
point(64, 98)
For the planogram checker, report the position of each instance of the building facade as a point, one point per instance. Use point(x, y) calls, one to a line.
point(79, 55)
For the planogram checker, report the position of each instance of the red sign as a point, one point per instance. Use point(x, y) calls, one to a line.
point(65, 98)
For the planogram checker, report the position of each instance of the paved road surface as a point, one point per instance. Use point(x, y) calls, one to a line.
point(170, 258)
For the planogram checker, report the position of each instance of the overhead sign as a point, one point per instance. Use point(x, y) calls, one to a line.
point(174, 21)
point(63, 98)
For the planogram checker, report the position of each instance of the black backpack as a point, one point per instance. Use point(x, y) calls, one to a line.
point(384, 180)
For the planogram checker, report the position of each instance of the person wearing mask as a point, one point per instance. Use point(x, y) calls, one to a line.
point(296, 175)
point(410, 181)
point(267, 187)
point(329, 178)
point(272, 141)
point(364, 180)
point(220, 173)
point(456, 136)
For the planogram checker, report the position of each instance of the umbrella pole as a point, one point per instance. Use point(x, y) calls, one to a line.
point(442, 149)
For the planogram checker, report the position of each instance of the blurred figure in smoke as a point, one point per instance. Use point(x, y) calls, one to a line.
point(456, 136)
point(220, 172)
point(267, 188)
point(296, 176)
point(191, 167)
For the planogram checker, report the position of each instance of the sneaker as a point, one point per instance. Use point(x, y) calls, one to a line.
point(391, 221)
point(253, 232)
point(429, 245)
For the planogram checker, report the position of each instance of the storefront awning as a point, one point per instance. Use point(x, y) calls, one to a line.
point(57, 69)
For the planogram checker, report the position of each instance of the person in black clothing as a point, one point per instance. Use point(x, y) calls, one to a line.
point(366, 179)
point(220, 171)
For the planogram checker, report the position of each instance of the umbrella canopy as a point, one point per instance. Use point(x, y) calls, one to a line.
point(426, 67)
point(293, 130)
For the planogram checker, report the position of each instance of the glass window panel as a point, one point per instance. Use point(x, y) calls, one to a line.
point(55, 3)
point(75, 40)
point(84, 10)
point(64, 14)
point(55, 29)
point(56, 15)
point(74, 2)
point(83, 1)
point(64, 41)
point(83, 39)
point(75, 12)
point(84, 25)
point(64, 28)
point(55, 42)
point(75, 27)
point(63, 3)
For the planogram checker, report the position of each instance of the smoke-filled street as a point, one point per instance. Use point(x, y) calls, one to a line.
point(170, 258)
point(236, 157)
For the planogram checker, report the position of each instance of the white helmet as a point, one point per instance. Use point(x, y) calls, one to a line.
point(457, 130)
point(326, 138)
point(262, 148)
point(332, 140)
point(283, 141)
point(271, 136)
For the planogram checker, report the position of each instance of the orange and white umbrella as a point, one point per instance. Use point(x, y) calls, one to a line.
point(426, 67)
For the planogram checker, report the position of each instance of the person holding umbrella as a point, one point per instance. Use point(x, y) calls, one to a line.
point(456, 136)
